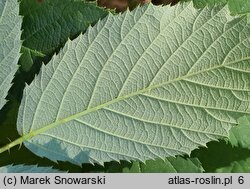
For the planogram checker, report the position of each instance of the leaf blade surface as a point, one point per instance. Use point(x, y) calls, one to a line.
point(146, 84)
point(10, 45)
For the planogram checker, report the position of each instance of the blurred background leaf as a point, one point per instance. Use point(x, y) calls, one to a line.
point(169, 165)
point(242, 166)
point(219, 154)
point(240, 134)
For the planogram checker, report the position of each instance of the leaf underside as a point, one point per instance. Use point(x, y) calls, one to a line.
point(27, 169)
point(152, 83)
point(10, 45)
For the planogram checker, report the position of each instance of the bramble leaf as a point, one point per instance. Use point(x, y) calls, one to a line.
point(235, 6)
point(240, 135)
point(219, 154)
point(241, 166)
point(26, 60)
point(170, 165)
point(48, 24)
point(10, 45)
point(239, 6)
point(152, 83)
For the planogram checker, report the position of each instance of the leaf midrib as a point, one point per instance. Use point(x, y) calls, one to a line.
point(67, 119)
point(118, 97)
point(75, 116)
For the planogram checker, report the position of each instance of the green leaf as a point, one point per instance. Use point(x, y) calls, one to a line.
point(152, 83)
point(10, 44)
point(170, 165)
point(235, 6)
point(242, 166)
point(203, 3)
point(27, 169)
point(240, 135)
point(48, 24)
point(135, 168)
point(239, 6)
point(219, 154)
point(26, 60)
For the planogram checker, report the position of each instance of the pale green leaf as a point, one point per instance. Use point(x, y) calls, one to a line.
point(10, 44)
point(240, 134)
point(27, 169)
point(170, 165)
point(241, 166)
point(152, 83)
